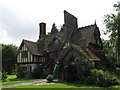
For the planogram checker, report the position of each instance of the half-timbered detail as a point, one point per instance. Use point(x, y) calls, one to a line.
point(84, 43)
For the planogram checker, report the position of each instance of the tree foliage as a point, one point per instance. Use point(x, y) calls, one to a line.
point(37, 72)
point(54, 29)
point(101, 78)
point(8, 58)
point(112, 22)
point(61, 29)
point(83, 68)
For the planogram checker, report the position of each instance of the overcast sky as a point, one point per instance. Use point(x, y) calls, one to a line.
point(19, 19)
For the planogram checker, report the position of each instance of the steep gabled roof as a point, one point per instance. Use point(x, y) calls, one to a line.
point(86, 53)
point(33, 47)
point(86, 33)
point(44, 42)
point(75, 37)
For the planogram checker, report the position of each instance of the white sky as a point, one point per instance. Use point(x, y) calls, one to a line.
point(20, 18)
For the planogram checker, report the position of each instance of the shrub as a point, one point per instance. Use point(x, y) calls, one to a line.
point(118, 71)
point(20, 72)
point(37, 72)
point(83, 69)
point(58, 70)
point(93, 76)
point(89, 80)
point(70, 73)
point(50, 78)
point(106, 80)
point(4, 76)
point(102, 78)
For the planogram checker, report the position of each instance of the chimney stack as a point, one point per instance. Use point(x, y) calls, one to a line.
point(42, 27)
point(70, 24)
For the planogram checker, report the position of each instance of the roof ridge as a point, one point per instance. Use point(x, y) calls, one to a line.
point(86, 26)
point(29, 41)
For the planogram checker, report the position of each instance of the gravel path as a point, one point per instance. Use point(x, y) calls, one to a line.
point(39, 82)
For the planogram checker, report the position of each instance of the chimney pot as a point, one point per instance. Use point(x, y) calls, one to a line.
point(42, 27)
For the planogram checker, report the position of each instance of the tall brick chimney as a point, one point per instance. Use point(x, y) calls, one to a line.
point(70, 24)
point(42, 27)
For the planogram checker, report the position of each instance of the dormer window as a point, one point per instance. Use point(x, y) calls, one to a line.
point(56, 41)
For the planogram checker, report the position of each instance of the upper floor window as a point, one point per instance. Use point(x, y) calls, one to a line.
point(42, 59)
point(56, 41)
point(24, 54)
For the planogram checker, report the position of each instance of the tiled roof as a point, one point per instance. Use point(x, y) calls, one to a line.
point(49, 38)
point(88, 54)
point(38, 48)
point(75, 37)
point(33, 47)
point(88, 32)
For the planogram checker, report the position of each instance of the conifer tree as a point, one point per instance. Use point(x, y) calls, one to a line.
point(54, 29)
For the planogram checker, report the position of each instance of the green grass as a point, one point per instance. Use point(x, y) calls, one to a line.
point(61, 85)
point(12, 79)
point(57, 85)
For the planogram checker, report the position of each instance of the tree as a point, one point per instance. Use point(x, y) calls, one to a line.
point(110, 49)
point(8, 58)
point(54, 29)
point(61, 29)
point(112, 22)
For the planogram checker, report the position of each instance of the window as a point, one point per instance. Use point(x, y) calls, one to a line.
point(56, 41)
point(43, 59)
point(24, 54)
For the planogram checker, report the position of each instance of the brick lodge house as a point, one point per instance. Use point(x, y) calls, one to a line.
point(83, 43)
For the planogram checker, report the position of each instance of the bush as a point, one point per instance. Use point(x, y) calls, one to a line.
point(107, 80)
point(89, 80)
point(118, 71)
point(50, 78)
point(83, 69)
point(58, 70)
point(4, 76)
point(37, 72)
point(93, 77)
point(102, 78)
point(20, 72)
point(70, 73)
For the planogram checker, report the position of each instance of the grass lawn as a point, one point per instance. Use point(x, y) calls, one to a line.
point(57, 85)
point(12, 79)
point(63, 85)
